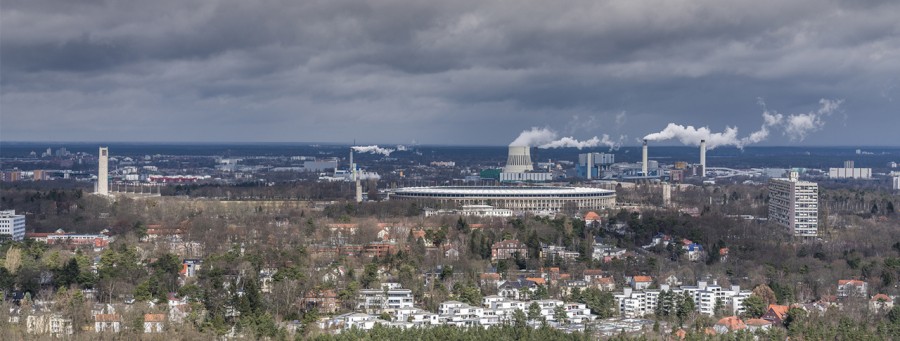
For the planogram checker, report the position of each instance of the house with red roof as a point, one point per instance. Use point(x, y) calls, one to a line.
point(881, 302)
point(758, 324)
point(729, 324)
point(641, 282)
point(776, 314)
point(852, 288)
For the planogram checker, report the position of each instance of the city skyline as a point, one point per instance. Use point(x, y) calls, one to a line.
point(463, 73)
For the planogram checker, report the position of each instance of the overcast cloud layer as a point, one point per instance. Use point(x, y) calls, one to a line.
point(442, 72)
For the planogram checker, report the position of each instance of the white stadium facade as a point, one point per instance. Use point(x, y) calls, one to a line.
point(520, 198)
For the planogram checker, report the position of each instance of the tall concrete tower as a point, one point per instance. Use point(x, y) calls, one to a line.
point(666, 194)
point(590, 164)
point(355, 178)
point(644, 159)
point(103, 171)
point(702, 158)
point(519, 160)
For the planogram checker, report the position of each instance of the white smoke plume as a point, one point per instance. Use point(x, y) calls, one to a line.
point(545, 138)
point(796, 126)
point(691, 136)
point(373, 149)
point(534, 137)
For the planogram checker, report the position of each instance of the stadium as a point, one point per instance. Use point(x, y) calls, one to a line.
point(531, 198)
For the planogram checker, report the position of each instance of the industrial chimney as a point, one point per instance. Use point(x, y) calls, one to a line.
point(702, 158)
point(519, 160)
point(644, 159)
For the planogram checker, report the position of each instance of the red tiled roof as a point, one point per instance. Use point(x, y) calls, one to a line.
point(604, 280)
point(779, 310)
point(732, 323)
point(490, 276)
point(107, 318)
point(884, 297)
point(154, 317)
point(757, 322)
point(536, 280)
point(643, 279)
point(854, 282)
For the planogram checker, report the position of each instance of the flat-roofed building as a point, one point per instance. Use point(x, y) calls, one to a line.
point(795, 204)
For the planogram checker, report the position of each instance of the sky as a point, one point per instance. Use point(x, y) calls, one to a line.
point(446, 72)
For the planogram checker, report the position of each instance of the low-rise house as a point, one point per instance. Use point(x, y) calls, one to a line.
point(178, 308)
point(641, 282)
point(324, 301)
point(490, 279)
point(154, 323)
point(107, 323)
point(604, 283)
point(555, 252)
point(592, 219)
point(348, 321)
point(266, 278)
point(517, 290)
point(604, 251)
point(659, 239)
point(416, 316)
point(54, 325)
point(852, 288)
point(776, 314)
point(507, 249)
point(758, 324)
point(389, 296)
point(729, 324)
point(693, 251)
point(189, 267)
point(881, 302)
point(570, 286)
point(591, 274)
point(672, 281)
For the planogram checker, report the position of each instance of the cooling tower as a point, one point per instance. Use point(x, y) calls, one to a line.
point(519, 160)
point(103, 171)
point(702, 158)
point(644, 160)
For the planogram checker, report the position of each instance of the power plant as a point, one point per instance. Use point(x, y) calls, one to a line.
point(519, 160)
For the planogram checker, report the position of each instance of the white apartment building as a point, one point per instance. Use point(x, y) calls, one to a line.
point(389, 296)
point(416, 316)
point(12, 226)
point(795, 204)
point(706, 298)
point(850, 173)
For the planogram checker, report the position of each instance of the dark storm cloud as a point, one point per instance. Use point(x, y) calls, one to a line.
point(439, 72)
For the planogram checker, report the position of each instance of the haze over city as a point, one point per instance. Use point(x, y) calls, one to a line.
point(453, 73)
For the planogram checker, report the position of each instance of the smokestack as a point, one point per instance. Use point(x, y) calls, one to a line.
point(519, 160)
point(644, 159)
point(702, 158)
